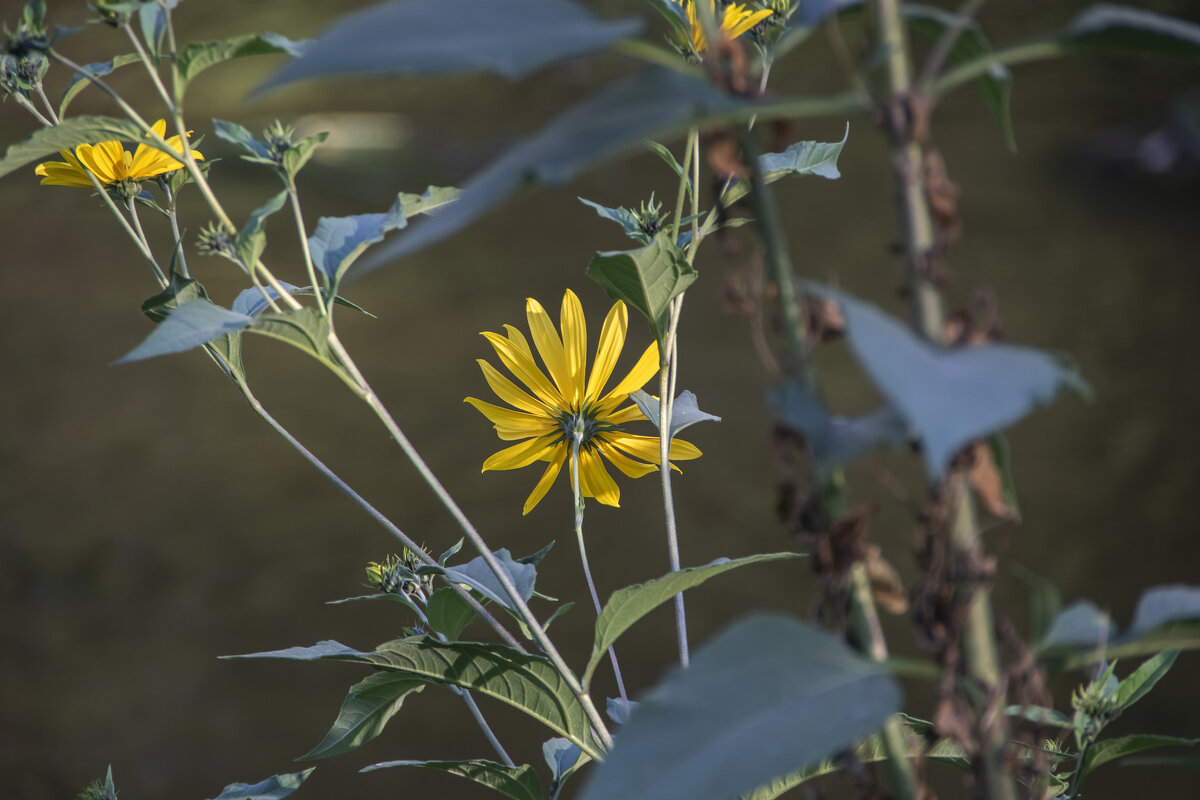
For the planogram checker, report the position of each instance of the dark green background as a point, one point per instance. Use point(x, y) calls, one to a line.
point(149, 522)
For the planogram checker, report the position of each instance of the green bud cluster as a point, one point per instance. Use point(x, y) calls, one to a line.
point(214, 240)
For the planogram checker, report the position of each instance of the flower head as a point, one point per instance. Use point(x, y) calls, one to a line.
point(569, 400)
point(111, 163)
point(735, 20)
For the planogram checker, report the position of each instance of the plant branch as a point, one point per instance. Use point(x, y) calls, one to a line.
point(945, 43)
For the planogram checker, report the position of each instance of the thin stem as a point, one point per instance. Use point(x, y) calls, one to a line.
point(488, 733)
point(576, 441)
point(173, 216)
point(693, 136)
point(24, 102)
point(294, 196)
point(46, 102)
point(1036, 50)
point(367, 394)
point(945, 43)
point(151, 69)
point(141, 235)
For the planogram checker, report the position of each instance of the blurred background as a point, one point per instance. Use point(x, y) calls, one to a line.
point(150, 522)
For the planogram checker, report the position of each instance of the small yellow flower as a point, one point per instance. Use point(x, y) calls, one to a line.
point(111, 163)
point(569, 400)
point(735, 20)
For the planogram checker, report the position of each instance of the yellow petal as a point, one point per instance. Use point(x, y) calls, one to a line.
point(521, 365)
point(642, 371)
point(595, 481)
point(514, 424)
point(520, 455)
point(547, 480)
point(96, 158)
point(509, 392)
point(626, 414)
point(647, 447)
point(608, 349)
point(574, 340)
point(634, 469)
point(549, 346)
point(518, 339)
point(738, 20)
point(58, 173)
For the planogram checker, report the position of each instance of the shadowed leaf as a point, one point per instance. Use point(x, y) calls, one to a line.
point(519, 783)
point(367, 708)
point(273, 788)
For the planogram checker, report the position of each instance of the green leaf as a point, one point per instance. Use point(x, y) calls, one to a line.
point(189, 325)
point(251, 301)
point(425, 37)
point(324, 649)
point(1113, 29)
point(1144, 678)
point(367, 708)
point(153, 19)
point(834, 441)
point(628, 605)
point(997, 446)
point(252, 238)
point(647, 278)
point(78, 82)
point(243, 138)
point(478, 575)
point(196, 57)
point(685, 412)
point(296, 156)
point(67, 135)
point(664, 152)
point(655, 103)
point(622, 216)
point(303, 328)
point(432, 199)
point(563, 759)
point(338, 241)
point(1040, 715)
point(801, 158)
point(1166, 618)
point(519, 783)
point(949, 397)
point(448, 613)
point(183, 290)
point(1106, 750)
point(272, 788)
point(1044, 601)
point(1080, 624)
point(766, 697)
point(394, 597)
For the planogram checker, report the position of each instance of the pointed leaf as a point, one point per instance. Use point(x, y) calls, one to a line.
point(1162, 605)
point(153, 19)
point(1106, 750)
point(519, 783)
point(367, 708)
point(628, 605)
point(303, 328)
point(478, 575)
point(338, 241)
point(768, 696)
point(448, 614)
point(190, 325)
point(1144, 678)
point(67, 135)
point(647, 278)
point(428, 202)
point(426, 37)
point(251, 301)
point(801, 158)
point(236, 134)
point(1039, 715)
point(196, 57)
point(273, 788)
point(950, 397)
point(183, 290)
point(622, 216)
point(78, 82)
point(684, 411)
point(835, 441)
point(1106, 28)
point(326, 649)
point(1080, 624)
point(561, 756)
point(252, 238)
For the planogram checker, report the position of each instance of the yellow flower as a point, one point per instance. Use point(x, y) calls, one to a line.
point(569, 400)
point(111, 163)
point(736, 20)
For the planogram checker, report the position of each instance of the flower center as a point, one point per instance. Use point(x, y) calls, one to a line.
point(584, 423)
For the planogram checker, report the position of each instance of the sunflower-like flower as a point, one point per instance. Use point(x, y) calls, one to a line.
point(111, 163)
point(570, 400)
point(735, 20)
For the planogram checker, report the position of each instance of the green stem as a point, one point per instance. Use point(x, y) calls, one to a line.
point(945, 43)
point(50, 112)
point(576, 441)
point(141, 235)
point(482, 722)
point(1036, 50)
point(294, 196)
point(173, 216)
point(24, 102)
point(151, 69)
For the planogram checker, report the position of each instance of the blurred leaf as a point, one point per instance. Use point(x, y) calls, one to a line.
point(1044, 601)
point(1163, 604)
point(433, 198)
point(1040, 715)
point(251, 301)
point(519, 783)
point(1166, 618)
point(685, 412)
point(428, 37)
point(78, 83)
point(1080, 624)
point(801, 158)
point(367, 708)
point(272, 788)
point(67, 135)
point(478, 575)
point(618, 710)
point(991, 477)
point(628, 605)
point(653, 103)
point(834, 441)
point(950, 397)
point(1105, 28)
point(646, 278)
point(196, 57)
point(153, 19)
point(766, 697)
point(1106, 750)
point(1138, 684)
point(339, 241)
point(564, 759)
point(189, 325)
point(448, 613)
point(622, 216)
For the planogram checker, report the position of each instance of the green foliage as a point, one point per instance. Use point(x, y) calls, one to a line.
point(716, 729)
point(100, 790)
point(188, 325)
point(305, 329)
point(476, 574)
point(1139, 684)
point(196, 57)
point(448, 613)
point(339, 241)
point(78, 82)
point(685, 411)
point(426, 37)
point(69, 134)
point(628, 605)
point(647, 278)
point(519, 783)
point(1107, 29)
point(252, 238)
point(1102, 752)
point(564, 759)
point(227, 349)
point(273, 788)
point(367, 708)
point(801, 158)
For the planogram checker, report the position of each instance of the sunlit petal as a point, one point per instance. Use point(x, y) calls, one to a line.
point(608, 349)
point(509, 392)
point(521, 365)
point(95, 159)
point(642, 371)
point(547, 480)
point(574, 340)
point(634, 469)
point(549, 346)
point(514, 424)
point(519, 455)
point(594, 480)
point(647, 447)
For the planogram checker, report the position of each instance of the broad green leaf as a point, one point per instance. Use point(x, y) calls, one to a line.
point(1138, 684)
point(78, 82)
point(949, 397)
point(801, 158)
point(427, 37)
point(654, 103)
point(448, 613)
point(1106, 750)
point(628, 605)
point(684, 411)
point(228, 349)
point(1039, 715)
point(252, 238)
point(196, 57)
point(189, 325)
point(367, 708)
point(303, 328)
point(428, 202)
point(273, 788)
point(69, 134)
point(478, 575)
point(766, 697)
point(519, 783)
point(1105, 28)
point(251, 301)
point(647, 278)
point(153, 19)
point(563, 758)
point(338, 241)
point(834, 441)
point(1080, 624)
